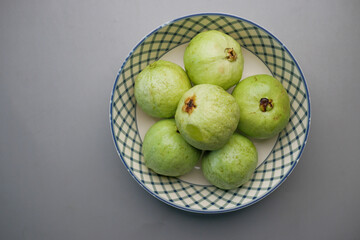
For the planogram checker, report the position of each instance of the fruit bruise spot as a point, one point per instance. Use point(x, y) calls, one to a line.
point(266, 104)
point(221, 69)
point(230, 54)
point(195, 132)
point(189, 105)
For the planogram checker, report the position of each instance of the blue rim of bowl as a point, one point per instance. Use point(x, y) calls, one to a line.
point(255, 200)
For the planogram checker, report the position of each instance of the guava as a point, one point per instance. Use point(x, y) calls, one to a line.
point(207, 116)
point(264, 106)
point(166, 152)
point(159, 87)
point(215, 58)
point(232, 165)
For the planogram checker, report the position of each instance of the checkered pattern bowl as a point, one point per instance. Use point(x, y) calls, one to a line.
point(276, 167)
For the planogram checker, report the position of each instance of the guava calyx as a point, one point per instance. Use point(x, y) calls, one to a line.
point(189, 104)
point(266, 104)
point(230, 54)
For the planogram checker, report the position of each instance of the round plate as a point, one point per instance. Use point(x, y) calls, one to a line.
point(263, 53)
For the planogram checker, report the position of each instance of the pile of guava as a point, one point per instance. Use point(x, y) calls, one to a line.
point(199, 115)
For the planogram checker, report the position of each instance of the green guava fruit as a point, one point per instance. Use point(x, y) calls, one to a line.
point(207, 116)
point(166, 152)
point(232, 165)
point(159, 87)
point(264, 106)
point(214, 57)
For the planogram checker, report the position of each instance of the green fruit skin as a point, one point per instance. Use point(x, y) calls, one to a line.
point(231, 166)
point(253, 122)
point(166, 152)
point(214, 119)
point(159, 87)
point(205, 59)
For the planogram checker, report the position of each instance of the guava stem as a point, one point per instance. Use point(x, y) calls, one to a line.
point(230, 54)
point(189, 104)
point(266, 104)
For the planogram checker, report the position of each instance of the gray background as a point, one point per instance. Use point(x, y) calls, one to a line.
point(60, 176)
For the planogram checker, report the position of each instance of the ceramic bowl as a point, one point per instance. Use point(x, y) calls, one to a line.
point(263, 53)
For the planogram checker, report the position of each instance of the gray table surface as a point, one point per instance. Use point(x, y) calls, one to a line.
point(60, 175)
